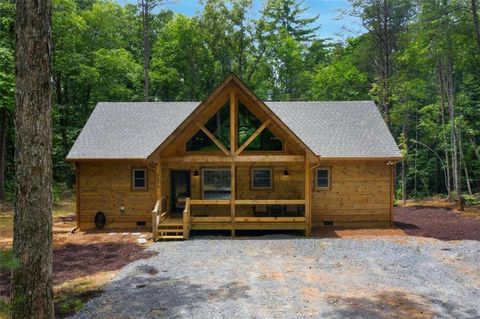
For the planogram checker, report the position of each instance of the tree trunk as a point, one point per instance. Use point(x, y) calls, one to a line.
point(442, 112)
point(476, 24)
point(62, 108)
point(462, 160)
point(146, 50)
point(474, 146)
point(31, 286)
point(415, 170)
point(404, 160)
point(450, 94)
point(3, 151)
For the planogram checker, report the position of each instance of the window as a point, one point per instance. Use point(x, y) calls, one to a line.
point(216, 183)
point(139, 178)
point(262, 178)
point(219, 126)
point(323, 178)
point(247, 125)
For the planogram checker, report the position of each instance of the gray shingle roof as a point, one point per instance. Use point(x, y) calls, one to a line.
point(330, 129)
point(128, 129)
point(339, 129)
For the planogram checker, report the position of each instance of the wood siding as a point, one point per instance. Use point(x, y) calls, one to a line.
point(360, 192)
point(283, 186)
point(359, 195)
point(106, 187)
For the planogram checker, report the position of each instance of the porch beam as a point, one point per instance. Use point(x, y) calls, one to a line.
point(237, 159)
point(158, 173)
point(232, 196)
point(253, 137)
point(308, 200)
point(233, 121)
point(214, 139)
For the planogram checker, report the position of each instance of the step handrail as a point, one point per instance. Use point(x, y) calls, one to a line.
point(186, 219)
point(159, 213)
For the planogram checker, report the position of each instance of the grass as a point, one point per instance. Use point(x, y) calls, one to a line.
point(61, 209)
point(64, 207)
point(71, 296)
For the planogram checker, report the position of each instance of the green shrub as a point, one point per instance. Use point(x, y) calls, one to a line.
point(7, 263)
point(472, 199)
point(69, 306)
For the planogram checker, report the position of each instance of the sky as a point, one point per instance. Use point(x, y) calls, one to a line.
point(333, 24)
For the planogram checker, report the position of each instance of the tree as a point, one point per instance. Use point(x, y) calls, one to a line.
point(285, 35)
point(384, 20)
point(339, 81)
point(287, 15)
point(7, 82)
point(31, 287)
point(146, 8)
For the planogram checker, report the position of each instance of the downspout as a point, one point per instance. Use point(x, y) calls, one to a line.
point(312, 168)
point(391, 164)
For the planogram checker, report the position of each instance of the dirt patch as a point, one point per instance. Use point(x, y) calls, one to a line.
point(82, 255)
point(77, 260)
point(439, 223)
point(387, 304)
point(82, 262)
point(339, 232)
point(421, 221)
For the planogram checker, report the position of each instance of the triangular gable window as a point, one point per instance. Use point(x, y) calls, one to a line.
point(201, 142)
point(247, 125)
point(266, 141)
point(219, 126)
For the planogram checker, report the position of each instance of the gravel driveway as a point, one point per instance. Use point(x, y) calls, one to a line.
point(289, 277)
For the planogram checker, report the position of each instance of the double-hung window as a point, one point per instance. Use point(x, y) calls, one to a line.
point(139, 178)
point(323, 178)
point(261, 178)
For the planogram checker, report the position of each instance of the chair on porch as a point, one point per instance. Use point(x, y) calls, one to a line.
point(261, 210)
point(293, 210)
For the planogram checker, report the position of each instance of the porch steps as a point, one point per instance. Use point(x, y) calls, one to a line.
point(170, 230)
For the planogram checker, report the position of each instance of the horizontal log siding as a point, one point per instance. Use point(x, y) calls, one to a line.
point(106, 186)
point(359, 194)
point(284, 187)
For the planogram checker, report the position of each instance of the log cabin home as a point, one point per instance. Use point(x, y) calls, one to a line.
point(233, 162)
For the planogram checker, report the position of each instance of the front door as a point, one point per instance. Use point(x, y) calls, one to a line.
point(180, 190)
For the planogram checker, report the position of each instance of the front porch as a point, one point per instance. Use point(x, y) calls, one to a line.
point(258, 214)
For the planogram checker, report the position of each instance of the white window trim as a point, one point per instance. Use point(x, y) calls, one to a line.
point(329, 178)
point(213, 169)
point(133, 178)
point(263, 169)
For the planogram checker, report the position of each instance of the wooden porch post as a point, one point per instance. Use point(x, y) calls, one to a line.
point(158, 184)
point(232, 196)
point(308, 199)
point(233, 146)
point(158, 173)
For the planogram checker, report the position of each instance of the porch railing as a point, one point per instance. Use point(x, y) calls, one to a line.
point(204, 210)
point(186, 219)
point(159, 214)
